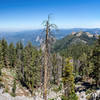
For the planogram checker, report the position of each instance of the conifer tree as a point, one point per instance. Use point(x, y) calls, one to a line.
point(96, 62)
point(68, 79)
point(83, 64)
point(5, 53)
point(19, 61)
point(57, 68)
point(19, 50)
point(1, 58)
point(12, 55)
point(30, 68)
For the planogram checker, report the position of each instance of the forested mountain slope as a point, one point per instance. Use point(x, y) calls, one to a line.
point(84, 38)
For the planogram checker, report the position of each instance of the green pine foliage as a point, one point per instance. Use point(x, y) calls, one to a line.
point(5, 53)
point(68, 79)
point(55, 69)
point(29, 74)
point(12, 55)
point(96, 62)
point(76, 50)
point(26, 61)
point(1, 58)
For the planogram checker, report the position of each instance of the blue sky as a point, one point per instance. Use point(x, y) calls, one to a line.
point(29, 14)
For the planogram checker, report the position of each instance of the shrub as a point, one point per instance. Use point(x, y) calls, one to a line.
point(13, 94)
point(6, 90)
point(14, 89)
point(58, 88)
point(88, 91)
point(64, 97)
point(70, 97)
point(51, 99)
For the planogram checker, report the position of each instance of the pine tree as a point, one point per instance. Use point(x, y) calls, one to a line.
point(57, 68)
point(83, 65)
point(19, 61)
point(96, 63)
point(12, 55)
point(5, 53)
point(1, 58)
point(29, 71)
point(19, 50)
point(68, 79)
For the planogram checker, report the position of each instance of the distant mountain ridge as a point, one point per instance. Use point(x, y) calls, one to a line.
point(78, 34)
point(75, 38)
point(33, 35)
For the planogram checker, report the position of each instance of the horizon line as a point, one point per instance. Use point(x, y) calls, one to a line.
point(21, 30)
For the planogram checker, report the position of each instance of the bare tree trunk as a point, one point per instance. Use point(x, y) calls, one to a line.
point(46, 63)
point(45, 78)
point(47, 56)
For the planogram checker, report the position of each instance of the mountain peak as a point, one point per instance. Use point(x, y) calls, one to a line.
point(78, 34)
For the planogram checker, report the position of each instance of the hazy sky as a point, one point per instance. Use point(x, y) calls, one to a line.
point(29, 14)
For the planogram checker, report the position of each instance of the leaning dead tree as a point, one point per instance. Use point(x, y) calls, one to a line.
point(47, 44)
